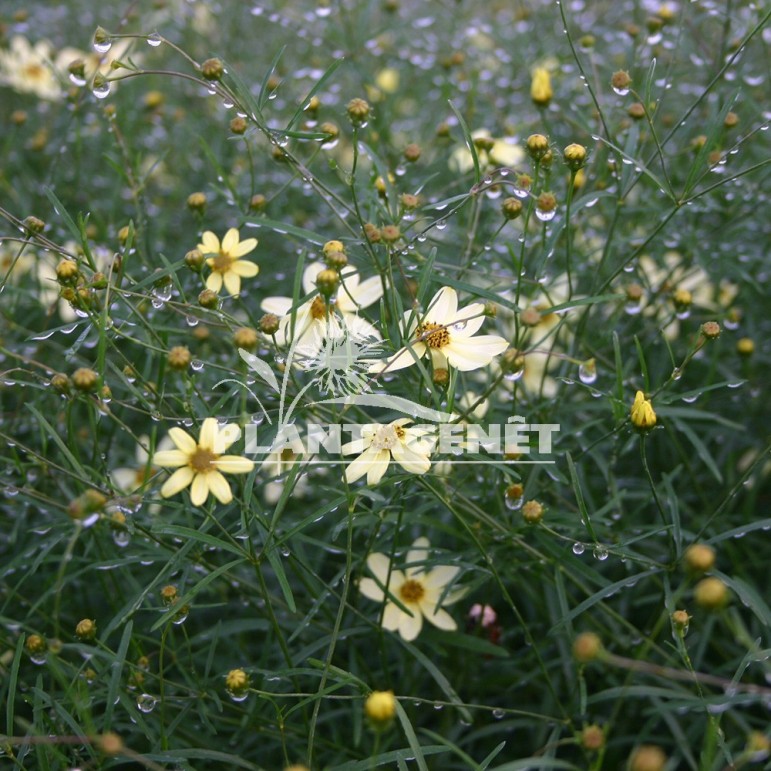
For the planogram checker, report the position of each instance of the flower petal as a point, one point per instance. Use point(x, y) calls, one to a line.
point(443, 306)
point(208, 436)
point(219, 487)
point(378, 466)
point(199, 491)
point(214, 282)
point(467, 321)
point(230, 241)
point(244, 247)
point(439, 618)
point(474, 352)
point(409, 459)
point(371, 590)
point(440, 576)
point(350, 297)
point(278, 305)
point(404, 357)
point(179, 480)
point(171, 458)
point(244, 268)
point(182, 440)
point(309, 276)
point(232, 282)
point(417, 555)
point(360, 466)
point(379, 566)
point(410, 626)
point(234, 464)
point(124, 479)
point(210, 244)
point(392, 616)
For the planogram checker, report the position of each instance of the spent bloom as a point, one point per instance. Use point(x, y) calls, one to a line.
point(447, 334)
point(642, 414)
point(226, 265)
point(312, 319)
point(417, 590)
point(200, 464)
point(379, 444)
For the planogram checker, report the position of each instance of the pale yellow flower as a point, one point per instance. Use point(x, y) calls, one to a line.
point(540, 88)
point(504, 152)
point(379, 444)
point(200, 464)
point(417, 590)
point(127, 479)
point(226, 264)
point(28, 68)
point(448, 334)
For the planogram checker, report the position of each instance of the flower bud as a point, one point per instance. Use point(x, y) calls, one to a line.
point(358, 111)
point(699, 558)
point(390, 234)
point(246, 338)
point(745, 346)
point(372, 232)
point(336, 260)
point(19, 117)
point(35, 644)
point(333, 246)
point(409, 201)
point(196, 202)
point(441, 377)
point(327, 282)
point(84, 379)
point(67, 272)
point(636, 111)
point(269, 324)
point(621, 81)
point(511, 208)
point(710, 330)
point(642, 415)
point(680, 621)
point(194, 260)
point(682, 299)
point(61, 383)
point(514, 493)
point(731, 120)
point(238, 125)
point(110, 743)
point(546, 202)
point(587, 647)
point(169, 594)
point(512, 362)
point(208, 299)
point(257, 202)
point(212, 69)
point(647, 757)
point(532, 512)
point(179, 357)
point(411, 153)
point(710, 593)
point(85, 629)
point(380, 707)
point(537, 146)
point(574, 156)
point(540, 87)
point(331, 130)
point(237, 682)
point(34, 225)
point(592, 738)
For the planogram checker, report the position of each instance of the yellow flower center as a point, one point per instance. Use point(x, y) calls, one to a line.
point(287, 455)
point(411, 591)
point(319, 309)
point(222, 262)
point(433, 335)
point(202, 460)
point(34, 71)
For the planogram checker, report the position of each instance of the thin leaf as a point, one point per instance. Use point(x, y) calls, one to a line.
point(260, 367)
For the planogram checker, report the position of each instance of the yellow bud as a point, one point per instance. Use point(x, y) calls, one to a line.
point(540, 87)
point(380, 706)
point(642, 414)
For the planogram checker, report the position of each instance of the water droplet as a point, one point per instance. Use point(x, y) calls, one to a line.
point(38, 658)
point(441, 225)
point(196, 365)
point(545, 216)
point(122, 538)
point(600, 553)
point(621, 91)
point(77, 80)
point(146, 703)
point(154, 39)
point(587, 372)
point(101, 91)
point(498, 714)
point(323, 11)
point(684, 314)
point(578, 548)
point(459, 326)
point(514, 503)
point(238, 695)
point(677, 373)
point(632, 308)
point(102, 46)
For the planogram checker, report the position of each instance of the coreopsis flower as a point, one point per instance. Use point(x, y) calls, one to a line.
point(200, 464)
point(379, 444)
point(28, 68)
point(418, 590)
point(502, 152)
point(313, 319)
point(448, 334)
point(642, 414)
point(226, 265)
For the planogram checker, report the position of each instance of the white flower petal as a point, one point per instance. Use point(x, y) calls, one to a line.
point(417, 555)
point(410, 626)
point(474, 352)
point(371, 590)
point(440, 618)
point(309, 276)
point(467, 321)
point(234, 464)
point(378, 466)
point(391, 617)
point(360, 466)
point(443, 306)
point(409, 459)
point(280, 306)
point(379, 565)
point(404, 357)
point(440, 576)
point(351, 298)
